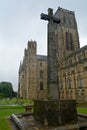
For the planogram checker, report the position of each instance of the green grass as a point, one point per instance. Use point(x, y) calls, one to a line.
point(6, 111)
point(82, 110)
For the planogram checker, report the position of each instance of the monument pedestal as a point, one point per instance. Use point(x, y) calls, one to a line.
point(55, 112)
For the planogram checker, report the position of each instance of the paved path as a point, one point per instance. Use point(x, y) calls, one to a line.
point(13, 126)
point(29, 123)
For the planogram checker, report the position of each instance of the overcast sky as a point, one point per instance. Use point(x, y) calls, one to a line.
point(20, 22)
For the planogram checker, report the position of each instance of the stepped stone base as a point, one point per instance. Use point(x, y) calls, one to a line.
point(26, 121)
point(55, 112)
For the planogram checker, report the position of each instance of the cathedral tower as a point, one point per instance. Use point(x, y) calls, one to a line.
point(31, 69)
point(67, 33)
point(63, 39)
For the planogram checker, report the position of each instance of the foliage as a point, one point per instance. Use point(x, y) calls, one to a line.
point(6, 89)
point(14, 94)
point(1, 96)
point(15, 101)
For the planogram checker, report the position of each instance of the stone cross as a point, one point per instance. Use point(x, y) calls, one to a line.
point(52, 74)
point(50, 17)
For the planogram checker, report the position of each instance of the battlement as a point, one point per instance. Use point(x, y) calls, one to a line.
point(65, 10)
point(32, 45)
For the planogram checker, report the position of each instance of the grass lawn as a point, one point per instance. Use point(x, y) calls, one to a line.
point(82, 110)
point(6, 111)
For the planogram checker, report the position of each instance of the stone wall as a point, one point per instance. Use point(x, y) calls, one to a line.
point(55, 112)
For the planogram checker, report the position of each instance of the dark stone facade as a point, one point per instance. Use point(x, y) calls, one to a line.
point(52, 62)
point(56, 112)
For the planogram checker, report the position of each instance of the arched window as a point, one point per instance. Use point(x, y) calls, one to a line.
point(85, 68)
point(67, 41)
point(22, 75)
point(78, 68)
point(64, 20)
point(69, 83)
point(41, 74)
point(41, 86)
point(62, 94)
point(71, 94)
point(61, 84)
point(40, 63)
point(79, 57)
point(80, 80)
point(71, 42)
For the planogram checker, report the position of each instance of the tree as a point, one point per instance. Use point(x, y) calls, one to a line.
point(14, 94)
point(6, 89)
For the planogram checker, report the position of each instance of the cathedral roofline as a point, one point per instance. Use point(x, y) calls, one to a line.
point(41, 57)
point(77, 51)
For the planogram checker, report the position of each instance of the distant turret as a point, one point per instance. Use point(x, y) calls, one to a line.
point(32, 47)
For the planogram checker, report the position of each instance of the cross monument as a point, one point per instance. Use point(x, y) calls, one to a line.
point(52, 78)
point(53, 111)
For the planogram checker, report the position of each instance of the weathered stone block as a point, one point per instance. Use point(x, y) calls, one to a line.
point(55, 112)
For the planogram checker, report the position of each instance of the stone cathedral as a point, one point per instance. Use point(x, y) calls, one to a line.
point(71, 62)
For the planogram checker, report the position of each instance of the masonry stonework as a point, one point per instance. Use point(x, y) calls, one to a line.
point(71, 63)
point(33, 74)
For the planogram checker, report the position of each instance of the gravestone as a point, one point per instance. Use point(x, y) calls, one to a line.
point(53, 111)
